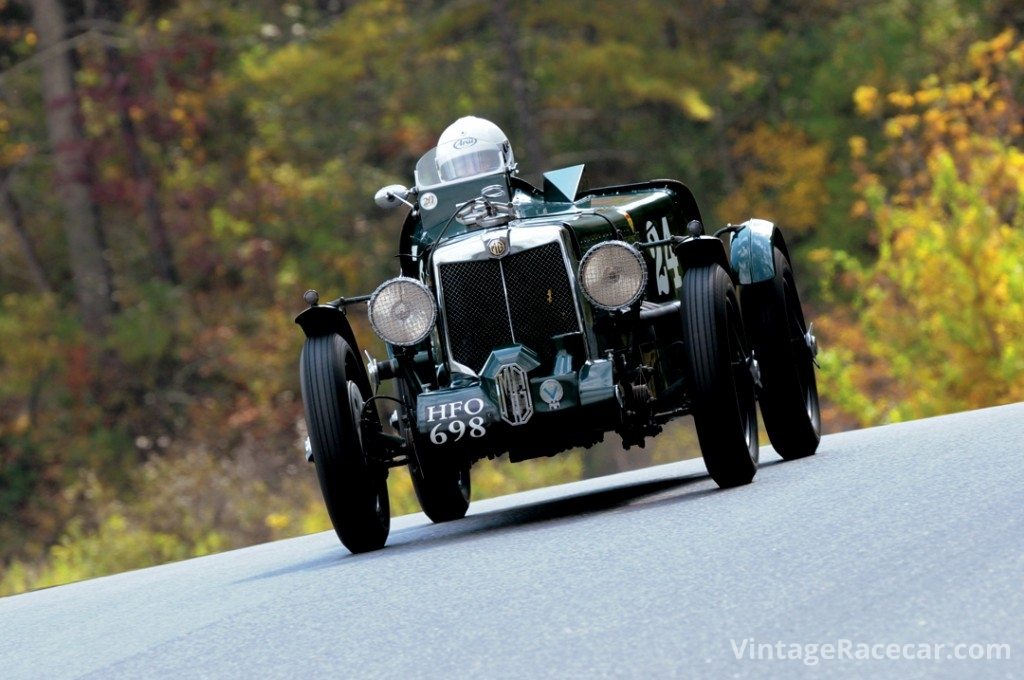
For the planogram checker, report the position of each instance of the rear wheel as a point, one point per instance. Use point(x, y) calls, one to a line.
point(354, 487)
point(721, 383)
point(785, 352)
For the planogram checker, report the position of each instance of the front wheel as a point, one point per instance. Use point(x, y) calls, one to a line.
point(442, 487)
point(442, 484)
point(354, 487)
point(721, 383)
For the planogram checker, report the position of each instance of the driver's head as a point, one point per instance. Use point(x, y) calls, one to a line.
point(472, 146)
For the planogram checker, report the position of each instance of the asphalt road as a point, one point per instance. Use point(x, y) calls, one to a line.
point(907, 535)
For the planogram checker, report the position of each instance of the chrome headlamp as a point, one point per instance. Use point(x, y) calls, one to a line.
point(613, 275)
point(402, 311)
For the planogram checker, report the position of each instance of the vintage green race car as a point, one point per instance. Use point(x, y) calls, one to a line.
point(530, 320)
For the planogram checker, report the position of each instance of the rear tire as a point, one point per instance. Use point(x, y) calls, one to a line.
point(789, 396)
point(353, 486)
point(721, 385)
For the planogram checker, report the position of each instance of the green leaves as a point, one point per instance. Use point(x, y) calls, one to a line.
point(876, 135)
point(938, 314)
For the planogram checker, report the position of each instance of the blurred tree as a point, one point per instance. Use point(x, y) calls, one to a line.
point(162, 255)
point(233, 149)
point(94, 288)
point(939, 316)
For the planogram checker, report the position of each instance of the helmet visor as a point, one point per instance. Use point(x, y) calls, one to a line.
point(460, 159)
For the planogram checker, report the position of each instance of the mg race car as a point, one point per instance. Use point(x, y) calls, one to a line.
point(531, 320)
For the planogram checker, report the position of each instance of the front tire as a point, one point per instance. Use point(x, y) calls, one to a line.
point(354, 487)
point(789, 396)
point(721, 384)
point(442, 485)
point(443, 488)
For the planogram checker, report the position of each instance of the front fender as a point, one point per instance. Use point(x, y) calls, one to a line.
point(701, 250)
point(321, 320)
point(751, 251)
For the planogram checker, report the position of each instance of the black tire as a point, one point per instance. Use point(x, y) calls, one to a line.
point(721, 385)
point(354, 489)
point(789, 393)
point(442, 487)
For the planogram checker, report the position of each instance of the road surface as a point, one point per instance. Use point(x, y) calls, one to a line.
point(892, 544)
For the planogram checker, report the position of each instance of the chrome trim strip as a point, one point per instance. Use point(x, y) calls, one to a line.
point(508, 305)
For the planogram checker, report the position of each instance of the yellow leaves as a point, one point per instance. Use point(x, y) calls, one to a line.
point(19, 426)
point(286, 175)
point(900, 125)
point(901, 100)
point(984, 54)
point(959, 130)
point(858, 146)
point(960, 94)
point(927, 95)
point(956, 117)
point(226, 226)
point(935, 121)
point(1002, 42)
point(694, 106)
point(277, 521)
point(943, 306)
point(12, 154)
point(771, 42)
point(866, 99)
point(940, 312)
point(315, 518)
point(687, 99)
point(740, 79)
point(783, 174)
point(1017, 56)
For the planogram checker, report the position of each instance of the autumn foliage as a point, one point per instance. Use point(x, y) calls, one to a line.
point(937, 319)
point(230, 152)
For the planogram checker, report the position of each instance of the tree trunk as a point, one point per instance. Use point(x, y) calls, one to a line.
point(527, 134)
point(159, 241)
point(16, 218)
point(161, 251)
point(72, 172)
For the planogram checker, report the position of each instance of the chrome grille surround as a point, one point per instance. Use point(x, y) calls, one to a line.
point(491, 314)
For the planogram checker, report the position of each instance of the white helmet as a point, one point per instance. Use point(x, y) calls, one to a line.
point(472, 146)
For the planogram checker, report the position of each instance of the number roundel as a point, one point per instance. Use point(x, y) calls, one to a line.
point(669, 274)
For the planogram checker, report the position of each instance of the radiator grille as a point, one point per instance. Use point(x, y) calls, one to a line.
point(539, 299)
point(475, 314)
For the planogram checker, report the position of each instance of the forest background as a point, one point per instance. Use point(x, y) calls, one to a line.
point(175, 173)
